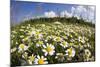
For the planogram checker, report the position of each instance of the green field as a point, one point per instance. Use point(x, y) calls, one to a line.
point(51, 41)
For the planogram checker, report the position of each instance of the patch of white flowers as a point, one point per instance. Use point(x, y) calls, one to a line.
point(52, 43)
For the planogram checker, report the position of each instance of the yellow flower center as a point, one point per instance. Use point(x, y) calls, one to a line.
point(32, 58)
point(25, 39)
point(22, 46)
point(58, 39)
point(40, 42)
point(70, 52)
point(48, 49)
point(64, 43)
point(37, 33)
point(40, 61)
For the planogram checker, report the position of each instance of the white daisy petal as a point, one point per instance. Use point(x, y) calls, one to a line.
point(38, 57)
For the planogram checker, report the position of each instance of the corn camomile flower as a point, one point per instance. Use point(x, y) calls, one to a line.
point(13, 49)
point(22, 47)
point(48, 49)
point(39, 43)
point(31, 59)
point(40, 60)
point(25, 55)
point(70, 52)
point(64, 44)
point(87, 53)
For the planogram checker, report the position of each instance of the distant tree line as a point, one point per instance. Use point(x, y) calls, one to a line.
point(72, 20)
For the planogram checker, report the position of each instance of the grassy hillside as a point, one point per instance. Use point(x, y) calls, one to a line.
point(51, 41)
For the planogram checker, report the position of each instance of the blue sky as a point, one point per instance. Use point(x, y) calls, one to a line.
point(21, 10)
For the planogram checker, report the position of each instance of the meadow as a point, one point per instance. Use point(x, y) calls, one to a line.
point(52, 41)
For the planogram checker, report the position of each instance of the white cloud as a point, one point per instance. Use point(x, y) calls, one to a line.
point(65, 14)
point(72, 10)
point(85, 12)
point(92, 8)
point(78, 11)
point(50, 14)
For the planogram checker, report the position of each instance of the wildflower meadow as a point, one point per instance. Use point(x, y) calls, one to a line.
point(37, 42)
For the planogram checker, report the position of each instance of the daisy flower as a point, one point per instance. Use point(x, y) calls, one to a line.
point(49, 37)
point(13, 49)
point(57, 23)
point(70, 52)
point(87, 53)
point(60, 57)
point(39, 43)
point(40, 60)
point(48, 49)
point(14, 32)
point(22, 26)
point(22, 47)
point(31, 59)
point(43, 25)
point(31, 33)
point(25, 55)
point(40, 36)
point(81, 39)
point(21, 30)
point(21, 36)
point(25, 39)
point(58, 39)
point(16, 43)
point(64, 44)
